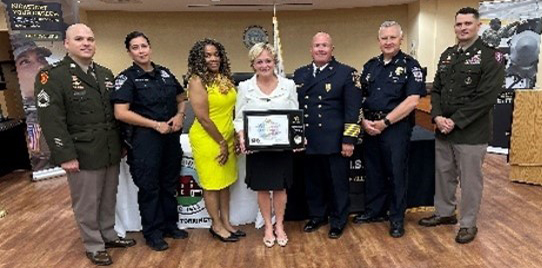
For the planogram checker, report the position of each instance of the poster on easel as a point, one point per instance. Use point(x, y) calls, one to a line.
point(36, 30)
point(513, 27)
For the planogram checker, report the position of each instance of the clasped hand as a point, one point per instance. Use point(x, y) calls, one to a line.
point(445, 125)
point(222, 158)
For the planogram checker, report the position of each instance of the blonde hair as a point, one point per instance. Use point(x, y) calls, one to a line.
point(257, 50)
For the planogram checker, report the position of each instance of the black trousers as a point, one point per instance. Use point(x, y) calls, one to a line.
point(327, 187)
point(386, 166)
point(155, 165)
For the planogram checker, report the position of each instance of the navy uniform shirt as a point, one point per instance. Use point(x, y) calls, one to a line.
point(331, 103)
point(385, 86)
point(151, 94)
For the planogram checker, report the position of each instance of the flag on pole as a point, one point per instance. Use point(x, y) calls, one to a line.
point(279, 66)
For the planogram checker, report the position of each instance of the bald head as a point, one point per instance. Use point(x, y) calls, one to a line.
point(80, 43)
point(321, 48)
point(322, 35)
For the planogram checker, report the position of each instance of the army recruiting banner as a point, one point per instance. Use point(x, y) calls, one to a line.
point(37, 32)
point(514, 28)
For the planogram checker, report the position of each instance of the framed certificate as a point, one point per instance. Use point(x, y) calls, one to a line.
point(274, 130)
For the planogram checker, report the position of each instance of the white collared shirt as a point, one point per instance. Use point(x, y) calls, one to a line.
point(251, 98)
point(314, 67)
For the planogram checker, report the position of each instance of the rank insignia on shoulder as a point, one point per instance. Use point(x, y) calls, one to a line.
point(298, 86)
point(328, 87)
point(468, 81)
point(43, 99)
point(44, 77)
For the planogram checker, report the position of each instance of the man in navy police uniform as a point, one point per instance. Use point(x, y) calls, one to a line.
point(331, 102)
point(392, 84)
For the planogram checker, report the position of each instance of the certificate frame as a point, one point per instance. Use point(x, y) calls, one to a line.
point(272, 130)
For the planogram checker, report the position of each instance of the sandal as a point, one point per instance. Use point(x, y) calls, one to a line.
point(269, 242)
point(282, 242)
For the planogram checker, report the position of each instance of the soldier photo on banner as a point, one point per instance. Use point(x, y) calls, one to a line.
point(514, 27)
point(36, 33)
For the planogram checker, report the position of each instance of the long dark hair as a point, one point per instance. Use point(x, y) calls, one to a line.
point(198, 67)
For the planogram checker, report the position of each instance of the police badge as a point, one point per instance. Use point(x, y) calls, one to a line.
point(399, 70)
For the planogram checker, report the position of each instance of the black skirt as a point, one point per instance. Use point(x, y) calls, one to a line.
point(269, 170)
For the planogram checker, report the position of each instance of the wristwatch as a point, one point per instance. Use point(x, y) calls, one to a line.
point(387, 122)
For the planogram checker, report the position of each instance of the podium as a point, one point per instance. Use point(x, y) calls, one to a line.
point(526, 141)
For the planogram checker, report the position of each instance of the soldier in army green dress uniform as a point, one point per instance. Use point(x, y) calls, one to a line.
point(77, 119)
point(469, 78)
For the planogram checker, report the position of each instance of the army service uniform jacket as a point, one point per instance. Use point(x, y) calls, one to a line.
point(76, 114)
point(465, 89)
point(331, 103)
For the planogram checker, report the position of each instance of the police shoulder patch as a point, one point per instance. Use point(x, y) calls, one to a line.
point(119, 81)
point(164, 74)
point(418, 74)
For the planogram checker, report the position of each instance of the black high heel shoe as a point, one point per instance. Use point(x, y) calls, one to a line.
point(230, 238)
point(239, 233)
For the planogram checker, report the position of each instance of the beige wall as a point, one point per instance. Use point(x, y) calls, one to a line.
point(3, 21)
point(172, 34)
point(434, 20)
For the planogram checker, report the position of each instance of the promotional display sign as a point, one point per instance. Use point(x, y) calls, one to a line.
point(514, 28)
point(36, 31)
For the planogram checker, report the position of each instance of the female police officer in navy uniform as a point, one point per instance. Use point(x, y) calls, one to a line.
point(150, 99)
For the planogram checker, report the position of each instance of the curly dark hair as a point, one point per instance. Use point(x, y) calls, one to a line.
point(133, 35)
point(198, 67)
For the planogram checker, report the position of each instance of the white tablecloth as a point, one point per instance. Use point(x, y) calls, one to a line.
point(243, 201)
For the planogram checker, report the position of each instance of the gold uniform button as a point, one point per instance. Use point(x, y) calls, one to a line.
point(307, 125)
point(319, 105)
point(319, 124)
point(305, 106)
point(319, 97)
point(307, 97)
point(319, 115)
point(306, 115)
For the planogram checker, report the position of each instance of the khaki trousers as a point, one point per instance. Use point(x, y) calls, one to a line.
point(94, 195)
point(459, 163)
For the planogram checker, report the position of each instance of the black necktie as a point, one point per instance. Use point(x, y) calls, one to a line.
point(317, 72)
point(90, 71)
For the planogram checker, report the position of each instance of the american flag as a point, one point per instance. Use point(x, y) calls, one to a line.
point(34, 133)
point(279, 67)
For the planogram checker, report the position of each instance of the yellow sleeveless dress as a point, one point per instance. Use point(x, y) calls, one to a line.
point(213, 176)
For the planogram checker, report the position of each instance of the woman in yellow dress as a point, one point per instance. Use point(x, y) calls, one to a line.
point(212, 95)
